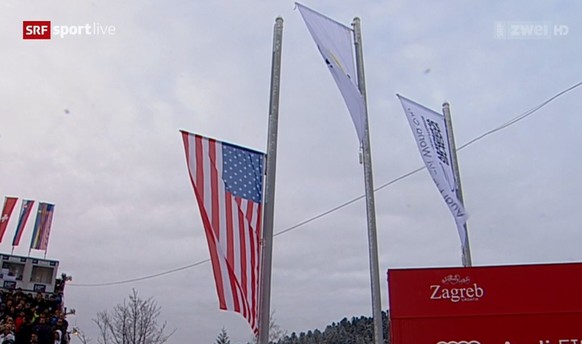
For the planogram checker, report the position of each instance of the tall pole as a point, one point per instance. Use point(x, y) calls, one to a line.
point(459, 191)
point(369, 186)
point(268, 210)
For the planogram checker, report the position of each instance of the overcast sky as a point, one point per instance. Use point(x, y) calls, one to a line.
point(91, 124)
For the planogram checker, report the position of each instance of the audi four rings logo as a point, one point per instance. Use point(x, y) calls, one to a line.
point(460, 342)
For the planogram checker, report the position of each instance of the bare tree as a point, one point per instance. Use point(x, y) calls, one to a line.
point(133, 322)
point(275, 331)
point(81, 335)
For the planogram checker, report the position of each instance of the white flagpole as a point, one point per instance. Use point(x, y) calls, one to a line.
point(459, 191)
point(268, 210)
point(369, 186)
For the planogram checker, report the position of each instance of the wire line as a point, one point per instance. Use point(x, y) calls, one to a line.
point(509, 123)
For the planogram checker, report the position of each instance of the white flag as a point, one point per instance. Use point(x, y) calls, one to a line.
point(335, 43)
point(429, 130)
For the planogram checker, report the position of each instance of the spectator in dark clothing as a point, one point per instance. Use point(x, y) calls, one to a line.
point(43, 330)
point(33, 339)
point(25, 331)
point(62, 325)
point(39, 302)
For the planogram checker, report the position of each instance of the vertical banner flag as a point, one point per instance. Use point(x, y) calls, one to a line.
point(335, 43)
point(429, 130)
point(9, 203)
point(42, 226)
point(25, 210)
point(228, 184)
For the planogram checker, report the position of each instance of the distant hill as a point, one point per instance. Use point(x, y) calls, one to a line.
point(355, 331)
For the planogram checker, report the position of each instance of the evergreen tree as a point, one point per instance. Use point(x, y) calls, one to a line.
point(358, 330)
point(222, 337)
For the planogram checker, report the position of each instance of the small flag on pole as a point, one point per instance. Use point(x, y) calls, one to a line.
point(42, 226)
point(228, 185)
point(335, 43)
point(429, 130)
point(25, 210)
point(9, 203)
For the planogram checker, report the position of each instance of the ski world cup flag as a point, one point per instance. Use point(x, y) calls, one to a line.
point(430, 133)
point(335, 43)
point(228, 185)
point(9, 203)
point(25, 210)
point(42, 226)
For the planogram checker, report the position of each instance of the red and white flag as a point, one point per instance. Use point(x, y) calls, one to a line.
point(228, 184)
point(9, 203)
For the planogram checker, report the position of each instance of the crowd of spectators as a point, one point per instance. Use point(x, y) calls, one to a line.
point(38, 318)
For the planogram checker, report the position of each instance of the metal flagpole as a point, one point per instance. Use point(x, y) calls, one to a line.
point(268, 210)
point(459, 191)
point(369, 185)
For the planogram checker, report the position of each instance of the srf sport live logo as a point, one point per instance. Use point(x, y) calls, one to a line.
point(42, 29)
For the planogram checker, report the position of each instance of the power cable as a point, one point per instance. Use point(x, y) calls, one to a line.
point(509, 123)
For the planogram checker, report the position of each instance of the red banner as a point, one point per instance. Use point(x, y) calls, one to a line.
point(527, 304)
point(9, 203)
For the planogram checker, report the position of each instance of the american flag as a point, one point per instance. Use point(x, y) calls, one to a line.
point(42, 226)
point(25, 209)
point(228, 184)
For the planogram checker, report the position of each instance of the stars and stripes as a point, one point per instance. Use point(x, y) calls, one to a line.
point(228, 185)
